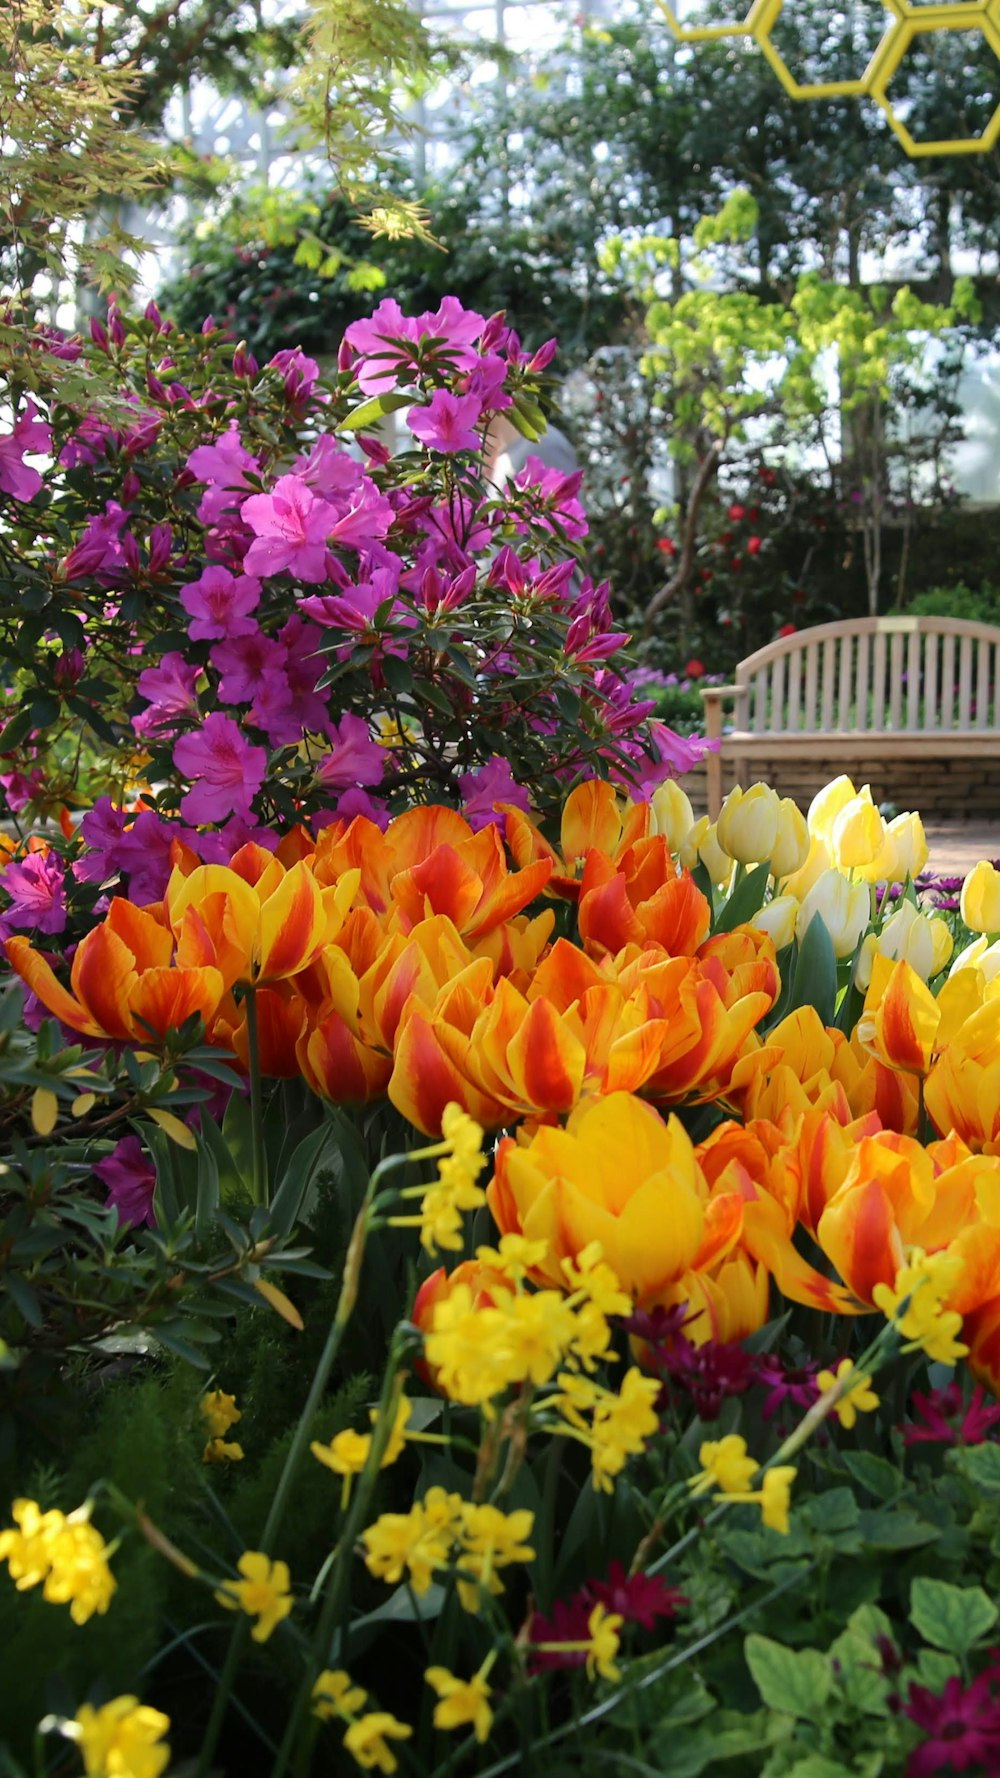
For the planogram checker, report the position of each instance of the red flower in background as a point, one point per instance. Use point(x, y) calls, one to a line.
point(787, 630)
point(694, 670)
point(753, 545)
point(736, 512)
point(666, 546)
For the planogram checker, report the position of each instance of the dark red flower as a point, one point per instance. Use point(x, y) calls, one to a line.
point(754, 545)
point(695, 669)
point(709, 1374)
point(666, 546)
point(638, 1598)
point(736, 512)
point(939, 1411)
point(962, 1727)
point(788, 629)
point(568, 1623)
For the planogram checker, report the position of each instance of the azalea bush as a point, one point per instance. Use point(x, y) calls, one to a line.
point(495, 1269)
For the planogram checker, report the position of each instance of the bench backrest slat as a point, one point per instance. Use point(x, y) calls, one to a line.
point(874, 675)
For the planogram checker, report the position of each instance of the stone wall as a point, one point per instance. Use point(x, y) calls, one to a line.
point(939, 788)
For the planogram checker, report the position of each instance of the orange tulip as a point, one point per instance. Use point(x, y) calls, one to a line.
point(594, 819)
point(252, 919)
point(640, 899)
point(963, 1087)
point(336, 1064)
point(122, 981)
point(620, 1175)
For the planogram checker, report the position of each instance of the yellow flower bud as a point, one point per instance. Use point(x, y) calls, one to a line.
point(979, 955)
point(748, 824)
point(791, 849)
point(700, 845)
point(777, 918)
point(816, 863)
point(826, 806)
point(905, 852)
point(858, 833)
point(909, 936)
point(981, 898)
point(672, 814)
point(844, 908)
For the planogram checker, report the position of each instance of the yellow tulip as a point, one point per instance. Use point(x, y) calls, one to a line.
point(858, 833)
point(748, 824)
point(826, 806)
point(817, 861)
point(778, 918)
point(671, 812)
point(904, 851)
point(981, 898)
point(791, 849)
point(845, 909)
point(701, 846)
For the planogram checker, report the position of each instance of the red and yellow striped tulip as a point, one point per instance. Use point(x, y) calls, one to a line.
point(594, 819)
point(123, 983)
point(253, 920)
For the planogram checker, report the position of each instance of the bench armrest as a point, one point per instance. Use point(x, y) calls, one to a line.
point(718, 691)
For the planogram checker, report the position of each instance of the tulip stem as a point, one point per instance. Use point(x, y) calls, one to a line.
point(258, 1162)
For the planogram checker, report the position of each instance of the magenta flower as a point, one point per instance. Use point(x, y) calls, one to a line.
point(447, 423)
point(225, 770)
point(785, 1382)
point(555, 494)
point(638, 1598)
point(29, 434)
point(947, 1421)
point(483, 790)
point(384, 343)
point(962, 1726)
point(219, 604)
point(355, 759)
point(355, 802)
point(300, 374)
point(291, 527)
point(169, 690)
point(130, 1178)
point(36, 886)
point(245, 664)
point(329, 469)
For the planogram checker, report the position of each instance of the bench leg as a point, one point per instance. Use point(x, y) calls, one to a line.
point(713, 772)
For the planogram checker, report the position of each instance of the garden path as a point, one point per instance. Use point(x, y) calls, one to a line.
point(957, 845)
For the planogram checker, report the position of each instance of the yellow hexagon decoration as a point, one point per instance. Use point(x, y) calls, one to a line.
point(960, 19)
point(909, 19)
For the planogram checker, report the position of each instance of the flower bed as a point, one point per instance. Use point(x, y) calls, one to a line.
point(495, 1272)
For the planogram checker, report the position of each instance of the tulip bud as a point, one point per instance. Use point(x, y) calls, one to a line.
point(818, 860)
point(908, 842)
point(701, 846)
point(844, 908)
point(748, 824)
point(778, 919)
point(826, 806)
point(858, 833)
point(672, 813)
point(909, 936)
point(791, 848)
point(980, 904)
point(979, 955)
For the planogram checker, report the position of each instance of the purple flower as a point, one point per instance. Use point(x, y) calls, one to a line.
point(130, 1178)
point(556, 494)
point(169, 690)
point(246, 664)
point(384, 344)
point(962, 1726)
point(225, 770)
point(482, 790)
point(355, 802)
point(219, 604)
point(355, 760)
point(638, 1598)
point(103, 828)
point(447, 423)
point(291, 527)
point(37, 893)
point(29, 434)
point(300, 373)
point(99, 549)
point(785, 1382)
point(328, 469)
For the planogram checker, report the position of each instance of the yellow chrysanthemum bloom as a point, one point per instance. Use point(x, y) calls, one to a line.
point(123, 1739)
point(462, 1701)
point(724, 1465)
point(857, 1397)
point(367, 1740)
point(603, 1629)
point(219, 1412)
point(335, 1694)
point(263, 1593)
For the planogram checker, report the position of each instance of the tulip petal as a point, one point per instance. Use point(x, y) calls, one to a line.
point(37, 974)
point(163, 998)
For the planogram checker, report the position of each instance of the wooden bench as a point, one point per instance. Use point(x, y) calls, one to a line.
point(929, 686)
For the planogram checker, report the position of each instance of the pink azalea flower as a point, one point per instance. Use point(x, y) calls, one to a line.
point(244, 664)
point(384, 343)
point(481, 791)
point(557, 495)
point(225, 770)
point(355, 760)
point(219, 603)
point(37, 894)
point(169, 690)
point(29, 434)
point(291, 527)
point(300, 373)
point(130, 1177)
point(329, 469)
point(447, 423)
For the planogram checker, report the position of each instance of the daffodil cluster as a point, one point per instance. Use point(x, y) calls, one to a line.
point(62, 1553)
